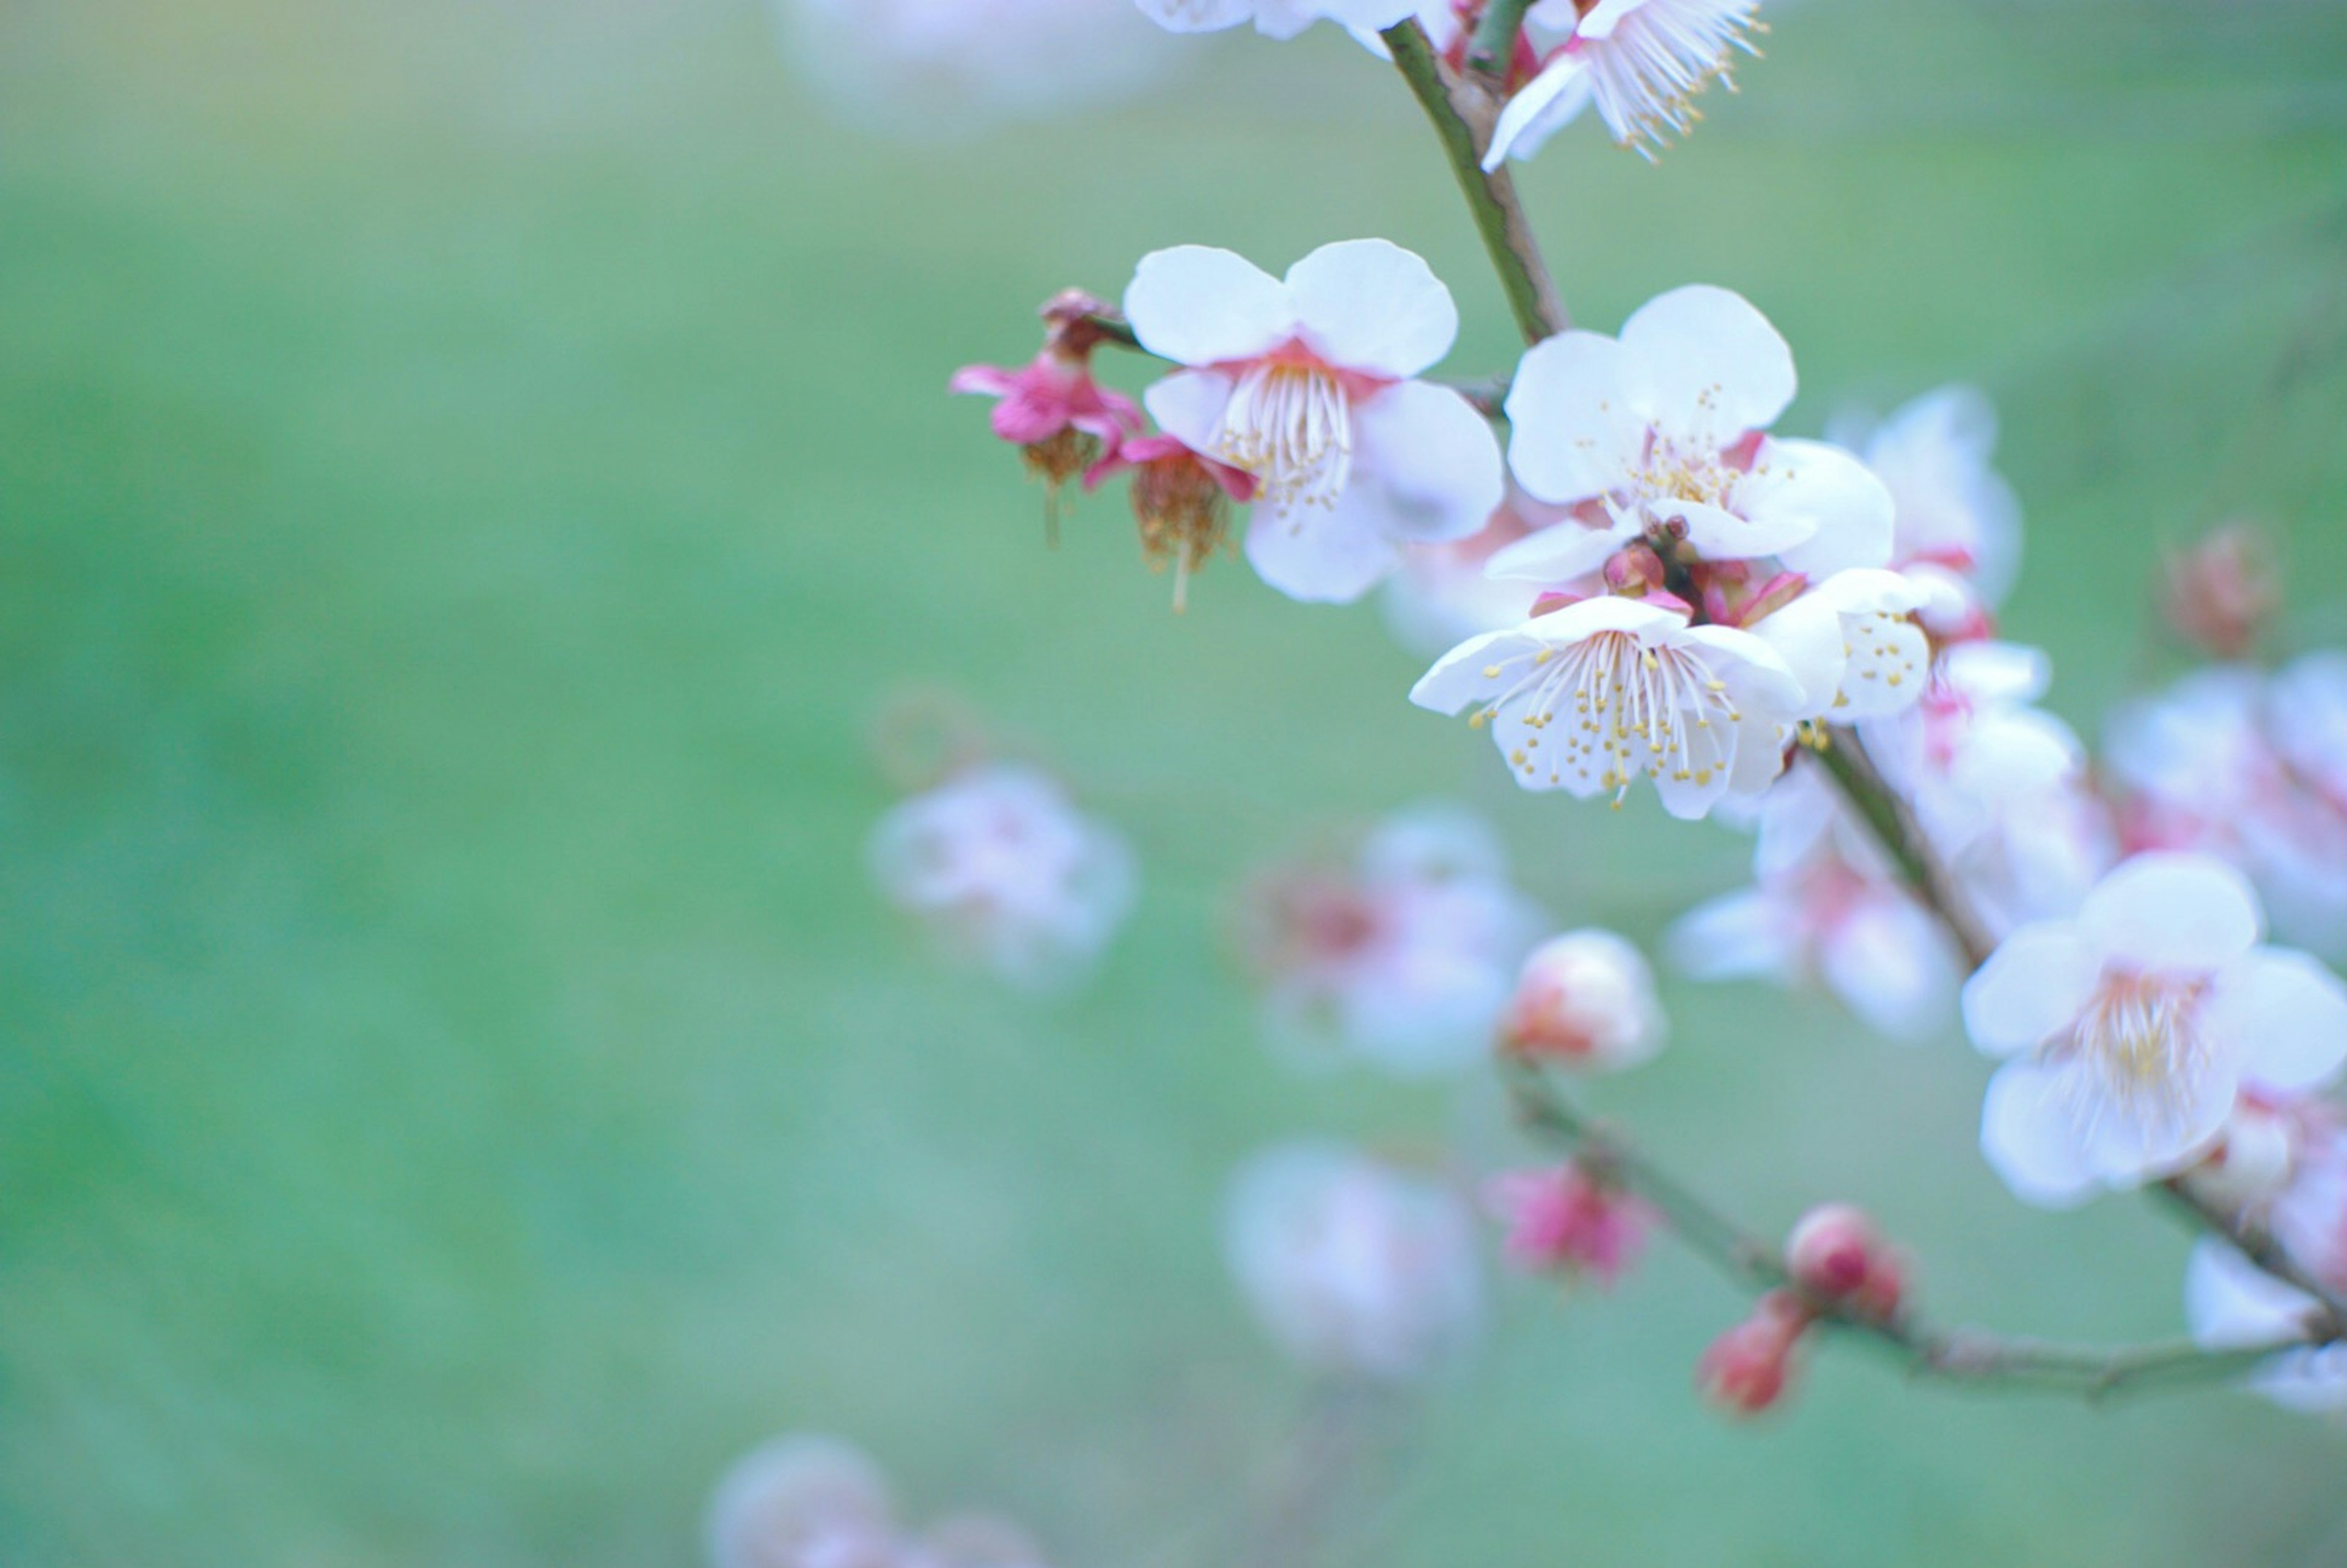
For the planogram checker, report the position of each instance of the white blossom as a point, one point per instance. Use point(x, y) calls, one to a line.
point(1309, 384)
point(1000, 864)
point(1596, 696)
point(1351, 1265)
point(2232, 1304)
point(1641, 62)
point(2128, 1033)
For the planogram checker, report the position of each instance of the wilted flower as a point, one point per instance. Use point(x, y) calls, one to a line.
point(1181, 500)
point(2130, 1030)
point(1000, 864)
point(1062, 421)
point(1402, 959)
point(1308, 383)
point(1352, 1265)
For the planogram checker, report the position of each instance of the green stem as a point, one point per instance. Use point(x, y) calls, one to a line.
point(1493, 47)
point(1490, 198)
point(1844, 758)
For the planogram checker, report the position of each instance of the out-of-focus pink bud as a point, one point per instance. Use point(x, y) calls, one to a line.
point(1585, 1000)
point(2221, 594)
point(1565, 1218)
point(1830, 1250)
point(1747, 1369)
point(1837, 1255)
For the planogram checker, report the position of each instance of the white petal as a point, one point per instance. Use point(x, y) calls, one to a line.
point(1540, 109)
point(2231, 1303)
point(1371, 306)
point(1606, 16)
point(1195, 304)
point(1807, 634)
point(1752, 934)
point(1756, 675)
point(1427, 460)
point(1840, 494)
point(1458, 678)
point(2036, 982)
point(1188, 406)
point(1721, 535)
point(2030, 1138)
point(2169, 911)
point(1373, 15)
point(2289, 1014)
point(1704, 363)
point(1607, 612)
point(1560, 553)
point(1574, 432)
point(1998, 671)
point(1327, 554)
point(1889, 962)
point(1196, 15)
point(1890, 666)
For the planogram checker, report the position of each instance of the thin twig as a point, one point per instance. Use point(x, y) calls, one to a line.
point(1960, 1356)
point(1853, 771)
point(1462, 114)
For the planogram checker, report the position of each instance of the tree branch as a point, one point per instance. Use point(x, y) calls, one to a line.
point(1462, 114)
point(1958, 1356)
point(1494, 43)
point(1845, 760)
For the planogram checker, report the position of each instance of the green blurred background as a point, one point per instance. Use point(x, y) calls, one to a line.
point(470, 474)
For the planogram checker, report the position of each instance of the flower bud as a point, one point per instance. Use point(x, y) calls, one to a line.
point(2223, 591)
point(1745, 1370)
point(1837, 1256)
point(2250, 1164)
point(1585, 1000)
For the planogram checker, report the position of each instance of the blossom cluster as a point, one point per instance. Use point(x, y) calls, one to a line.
point(1646, 587)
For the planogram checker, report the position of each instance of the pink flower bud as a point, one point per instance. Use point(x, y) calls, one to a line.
point(1745, 1370)
point(2221, 593)
point(1565, 1218)
point(1838, 1257)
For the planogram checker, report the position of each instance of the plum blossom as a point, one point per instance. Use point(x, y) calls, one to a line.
point(1180, 501)
point(1641, 62)
point(1062, 421)
point(1351, 1265)
point(1308, 383)
point(1403, 959)
point(2128, 1033)
point(2250, 767)
point(1958, 523)
point(1564, 1218)
point(1836, 1257)
point(1272, 18)
point(1595, 696)
point(1585, 1000)
point(2232, 1304)
point(1666, 428)
point(810, 1502)
point(1825, 908)
point(1004, 869)
point(936, 67)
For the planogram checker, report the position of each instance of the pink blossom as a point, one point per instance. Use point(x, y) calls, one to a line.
point(1563, 1218)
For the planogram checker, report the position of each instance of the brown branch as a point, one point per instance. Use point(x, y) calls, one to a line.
point(1960, 1356)
point(1845, 760)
